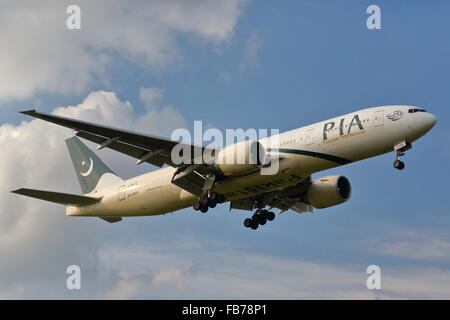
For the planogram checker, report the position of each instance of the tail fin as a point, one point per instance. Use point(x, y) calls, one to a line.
point(89, 168)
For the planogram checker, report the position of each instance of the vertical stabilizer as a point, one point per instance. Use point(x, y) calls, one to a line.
point(88, 167)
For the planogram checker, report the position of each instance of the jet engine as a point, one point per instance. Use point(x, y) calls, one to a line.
point(240, 158)
point(328, 191)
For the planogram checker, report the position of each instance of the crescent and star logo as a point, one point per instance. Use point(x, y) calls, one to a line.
point(91, 166)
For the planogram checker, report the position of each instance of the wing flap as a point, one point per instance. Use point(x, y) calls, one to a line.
point(189, 180)
point(58, 197)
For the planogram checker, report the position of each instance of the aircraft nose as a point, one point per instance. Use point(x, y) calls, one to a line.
point(421, 123)
point(429, 120)
point(424, 123)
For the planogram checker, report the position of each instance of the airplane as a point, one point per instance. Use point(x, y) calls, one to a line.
point(301, 152)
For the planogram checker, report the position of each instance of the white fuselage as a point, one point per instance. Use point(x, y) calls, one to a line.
point(304, 151)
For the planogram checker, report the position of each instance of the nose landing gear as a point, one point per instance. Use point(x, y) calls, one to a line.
point(400, 149)
point(399, 165)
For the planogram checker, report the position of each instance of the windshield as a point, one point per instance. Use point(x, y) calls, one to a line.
point(416, 110)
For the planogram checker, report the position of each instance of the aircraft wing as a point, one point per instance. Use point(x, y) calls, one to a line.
point(146, 148)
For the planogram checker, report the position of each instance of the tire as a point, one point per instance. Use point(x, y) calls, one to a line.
point(204, 209)
point(399, 165)
point(213, 196)
point(196, 206)
point(220, 198)
point(204, 201)
point(254, 225)
point(212, 203)
point(247, 222)
point(255, 216)
point(262, 219)
point(270, 216)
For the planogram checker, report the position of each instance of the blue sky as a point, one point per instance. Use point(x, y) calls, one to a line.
point(282, 65)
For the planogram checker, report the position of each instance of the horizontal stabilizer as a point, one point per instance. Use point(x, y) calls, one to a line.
point(58, 197)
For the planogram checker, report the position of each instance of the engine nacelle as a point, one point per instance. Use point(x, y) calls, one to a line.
point(328, 191)
point(240, 158)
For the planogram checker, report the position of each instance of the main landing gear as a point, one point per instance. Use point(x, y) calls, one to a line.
point(208, 201)
point(260, 217)
point(400, 149)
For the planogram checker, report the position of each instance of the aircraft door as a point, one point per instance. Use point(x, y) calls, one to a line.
point(378, 118)
point(128, 191)
point(302, 139)
point(122, 192)
point(310, 137)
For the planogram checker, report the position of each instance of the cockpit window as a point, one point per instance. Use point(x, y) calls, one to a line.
point(416, 110)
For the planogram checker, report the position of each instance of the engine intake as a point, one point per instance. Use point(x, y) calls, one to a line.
point(240, 158)
point(328, 191)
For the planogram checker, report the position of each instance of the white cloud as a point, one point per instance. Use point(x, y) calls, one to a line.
point(150, 96)
point(129, 287)
point(209, 272)
point(251, 51)
point(415, 245)
point(37, 241)
point(41, 55)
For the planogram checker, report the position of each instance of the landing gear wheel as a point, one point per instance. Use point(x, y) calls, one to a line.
point(399, 165)
point(247, 223)
point(220, 198)
point(262, 219)
point(204, 201)
point(270, 216)
point(204, 209)
point(196, 206)
point(212, 203)
point(213, 196)
point(212, 199)
point(253, 224)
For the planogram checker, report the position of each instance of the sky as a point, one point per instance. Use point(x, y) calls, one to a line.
point(155, 66)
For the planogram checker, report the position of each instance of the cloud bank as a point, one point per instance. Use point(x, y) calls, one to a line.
point(42, 55)
point(36, 240)
point(214, 271)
